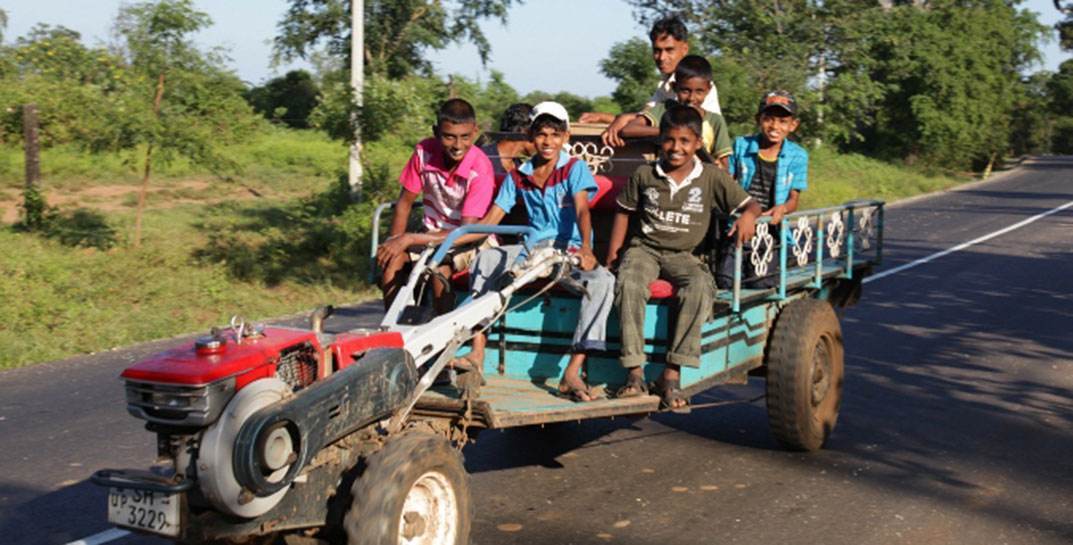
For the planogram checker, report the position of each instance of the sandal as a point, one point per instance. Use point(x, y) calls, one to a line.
point(671, 397)
point(634, 387)
point(576, 394)
point(464, 366)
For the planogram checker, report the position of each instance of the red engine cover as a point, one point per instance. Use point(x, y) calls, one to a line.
point(253, 359)
point(349, 345)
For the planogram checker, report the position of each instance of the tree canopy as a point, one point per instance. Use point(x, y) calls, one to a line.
point(398, 33)
point(288, 99)
point(630, 64)
point(936, 81)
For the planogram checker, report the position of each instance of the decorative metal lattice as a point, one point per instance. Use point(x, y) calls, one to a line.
point(802, 240)
point(866, 227)
point(836, 234)
point(596, 157)
point(762, 252)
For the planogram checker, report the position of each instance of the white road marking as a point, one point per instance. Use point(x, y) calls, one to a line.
point(103, 537)
point(964, 245)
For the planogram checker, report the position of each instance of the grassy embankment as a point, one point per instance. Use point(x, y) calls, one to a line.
point(269, 243)
point(84, 288)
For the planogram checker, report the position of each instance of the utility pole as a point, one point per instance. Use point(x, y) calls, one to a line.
point(357, 81)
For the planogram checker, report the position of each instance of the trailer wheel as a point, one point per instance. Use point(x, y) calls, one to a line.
point(413, 491)
point(805, 373)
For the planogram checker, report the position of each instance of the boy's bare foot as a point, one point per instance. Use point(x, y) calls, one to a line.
point(573, 387)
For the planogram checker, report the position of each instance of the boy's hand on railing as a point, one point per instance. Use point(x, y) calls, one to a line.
point(612, 134)
point(391, 249)
point(776, 213)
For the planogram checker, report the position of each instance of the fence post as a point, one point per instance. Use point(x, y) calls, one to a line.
point(33, 202)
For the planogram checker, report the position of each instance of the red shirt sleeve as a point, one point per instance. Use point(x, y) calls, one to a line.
point(480, 189)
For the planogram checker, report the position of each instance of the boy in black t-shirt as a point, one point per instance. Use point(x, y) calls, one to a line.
point(672, 201)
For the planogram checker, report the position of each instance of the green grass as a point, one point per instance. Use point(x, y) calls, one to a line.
point(279, 159)
point(81, 287)
point(61, 301)
point(216, 249)
point(835, 178)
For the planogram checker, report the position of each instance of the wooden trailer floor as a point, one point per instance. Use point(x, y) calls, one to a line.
point(507, 402)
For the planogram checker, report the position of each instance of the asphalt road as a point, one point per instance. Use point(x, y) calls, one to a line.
point(956, 425)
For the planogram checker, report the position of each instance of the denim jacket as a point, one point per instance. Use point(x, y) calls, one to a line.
point(791, 172)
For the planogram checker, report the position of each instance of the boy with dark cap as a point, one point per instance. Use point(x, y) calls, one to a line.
point(671, 202)
point(773, 169)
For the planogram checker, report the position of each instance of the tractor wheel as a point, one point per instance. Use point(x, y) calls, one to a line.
point(413, 491)
point(804, 374)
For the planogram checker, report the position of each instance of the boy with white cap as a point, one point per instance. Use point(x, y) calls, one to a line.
point(556, 189)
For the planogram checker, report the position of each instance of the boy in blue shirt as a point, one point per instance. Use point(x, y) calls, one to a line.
point(773, 170)
point(555, 189)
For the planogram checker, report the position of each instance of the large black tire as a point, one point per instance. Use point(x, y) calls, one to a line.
point(428, 470)
point(804, 374)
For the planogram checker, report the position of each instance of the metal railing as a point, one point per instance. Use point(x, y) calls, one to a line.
point(815, 240)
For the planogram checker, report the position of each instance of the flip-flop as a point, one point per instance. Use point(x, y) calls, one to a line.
point(575, 393)
point(634, 387)
point(670, 392)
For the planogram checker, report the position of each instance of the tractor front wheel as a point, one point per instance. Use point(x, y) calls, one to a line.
point(413, 491)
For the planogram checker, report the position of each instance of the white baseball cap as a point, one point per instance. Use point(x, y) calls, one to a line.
point(551, 108)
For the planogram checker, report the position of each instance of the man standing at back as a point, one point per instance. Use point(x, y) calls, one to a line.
point(670, 43)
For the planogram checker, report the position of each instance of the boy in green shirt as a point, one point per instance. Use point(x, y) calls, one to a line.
point(692, 84)
point(672, 202)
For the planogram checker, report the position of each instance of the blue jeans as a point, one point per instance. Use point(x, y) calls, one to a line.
point(591, 331)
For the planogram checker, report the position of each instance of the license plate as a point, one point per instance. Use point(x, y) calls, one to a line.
point(155, 512)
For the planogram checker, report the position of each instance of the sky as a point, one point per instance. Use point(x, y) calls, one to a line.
point(569, 36)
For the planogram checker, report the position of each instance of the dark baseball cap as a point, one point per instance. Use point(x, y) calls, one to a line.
point(782, 100)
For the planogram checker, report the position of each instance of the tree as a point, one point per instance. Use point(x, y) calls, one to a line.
point(76, 88)
point(186, 103)
point(779, 40)
point(1065, 26)
point(952, 79)
point(933, 80)
point(288, 99)
point(630, 64)
point(1059, 100)
point(1032, 125)
point(398, 33)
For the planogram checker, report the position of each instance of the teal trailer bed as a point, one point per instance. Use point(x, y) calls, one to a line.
point(529, 346)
